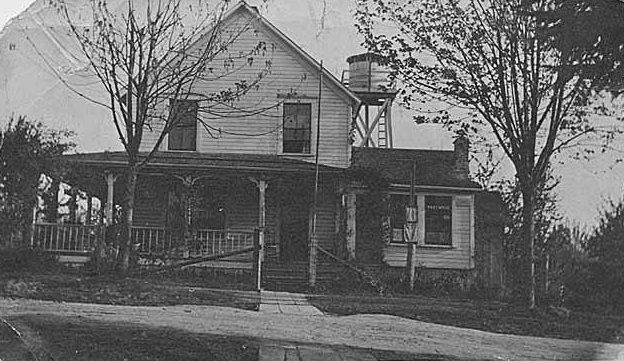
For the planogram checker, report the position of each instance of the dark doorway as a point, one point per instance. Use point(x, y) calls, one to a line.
point(295, 217)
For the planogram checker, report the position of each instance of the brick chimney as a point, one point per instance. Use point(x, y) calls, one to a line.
point(462, 145)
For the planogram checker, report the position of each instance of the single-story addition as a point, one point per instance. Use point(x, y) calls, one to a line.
point(459, 227)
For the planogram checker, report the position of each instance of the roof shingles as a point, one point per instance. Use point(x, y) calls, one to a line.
point(435, 168)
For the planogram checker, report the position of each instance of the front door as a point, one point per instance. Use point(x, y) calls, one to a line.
point(294, 225)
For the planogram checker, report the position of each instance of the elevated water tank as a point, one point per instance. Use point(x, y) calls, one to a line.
point(367, 73)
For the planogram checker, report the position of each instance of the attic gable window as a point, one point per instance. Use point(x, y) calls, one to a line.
point(297, 128)
point(183, 115)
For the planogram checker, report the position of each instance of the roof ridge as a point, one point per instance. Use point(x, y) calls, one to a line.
point(296, 47)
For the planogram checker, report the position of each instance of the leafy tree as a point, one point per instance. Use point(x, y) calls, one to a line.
point(605, 249)
point(25, 156)
point(568, 277)
point(509, 66)
point(546, 217)
point(152, 52)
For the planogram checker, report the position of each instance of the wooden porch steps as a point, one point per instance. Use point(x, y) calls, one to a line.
point(294, 276)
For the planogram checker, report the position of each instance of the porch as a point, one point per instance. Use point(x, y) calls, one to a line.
point(197, 205)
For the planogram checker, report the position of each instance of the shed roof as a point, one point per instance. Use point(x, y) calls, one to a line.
point(434, 168)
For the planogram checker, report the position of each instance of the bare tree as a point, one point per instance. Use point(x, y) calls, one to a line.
point(155, 51)
point(515, 65)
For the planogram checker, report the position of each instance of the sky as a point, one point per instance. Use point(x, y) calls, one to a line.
point(10, 8)
point(583, 187)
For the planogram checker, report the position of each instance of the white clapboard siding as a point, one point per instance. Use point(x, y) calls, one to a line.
point(459, 256)
point(288, 74)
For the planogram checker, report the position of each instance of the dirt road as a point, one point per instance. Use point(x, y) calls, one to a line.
point(380, 332)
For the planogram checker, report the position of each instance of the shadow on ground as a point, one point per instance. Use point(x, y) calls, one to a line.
point(46, 337)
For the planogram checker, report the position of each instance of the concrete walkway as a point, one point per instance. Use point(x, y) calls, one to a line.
point(287, 303)
point(312, 353)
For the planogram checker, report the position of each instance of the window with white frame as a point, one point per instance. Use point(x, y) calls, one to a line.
point(297, 134)
point(183, 133)
point(438, 220)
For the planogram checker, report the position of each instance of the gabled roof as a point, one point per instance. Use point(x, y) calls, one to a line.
point(195, 161)
point(293, 47)
point(434, 168)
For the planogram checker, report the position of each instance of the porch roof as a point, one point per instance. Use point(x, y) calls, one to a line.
point(162, 161)
point(434, 168)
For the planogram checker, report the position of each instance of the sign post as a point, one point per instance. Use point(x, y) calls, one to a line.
point(410, 231)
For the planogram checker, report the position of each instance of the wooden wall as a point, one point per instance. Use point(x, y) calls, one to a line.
point(288, 74)
point(459, 256)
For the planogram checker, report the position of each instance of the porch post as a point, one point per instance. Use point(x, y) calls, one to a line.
point(110, 187)
point(89, 209)
point(337, 227)
point(351, 224)
point(33, 228)
point(262, 186)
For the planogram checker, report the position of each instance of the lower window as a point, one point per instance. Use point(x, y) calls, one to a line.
point(398, 217)
point(438, 220)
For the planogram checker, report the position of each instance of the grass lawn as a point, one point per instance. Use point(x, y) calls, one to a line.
point(482, 315)
point(58, 283)
point(70, 285)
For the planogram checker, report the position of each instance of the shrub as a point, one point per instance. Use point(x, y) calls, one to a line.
point(26, 259)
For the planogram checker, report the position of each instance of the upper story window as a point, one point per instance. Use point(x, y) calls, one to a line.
point(297, 128)
point(183, 134)
point(438, 220)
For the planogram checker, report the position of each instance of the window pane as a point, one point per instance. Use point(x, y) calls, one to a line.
point(438, 220)
point(397, 205)
point(183, 134)
point(297, 124)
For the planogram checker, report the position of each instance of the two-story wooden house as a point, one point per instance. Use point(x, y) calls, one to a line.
point(221, 176)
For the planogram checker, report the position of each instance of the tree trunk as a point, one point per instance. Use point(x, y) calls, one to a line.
point(128, 212)
point(528, 235)
point(72, 204)
point(51, 214)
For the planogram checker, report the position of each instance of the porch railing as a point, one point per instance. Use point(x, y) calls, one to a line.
point(78, 238)
point(157, 241)
point(207, 241)
point(74, 238)
point(152, 240)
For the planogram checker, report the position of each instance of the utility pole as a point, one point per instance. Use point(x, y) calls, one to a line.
point(410, 230)
point(313, 241)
